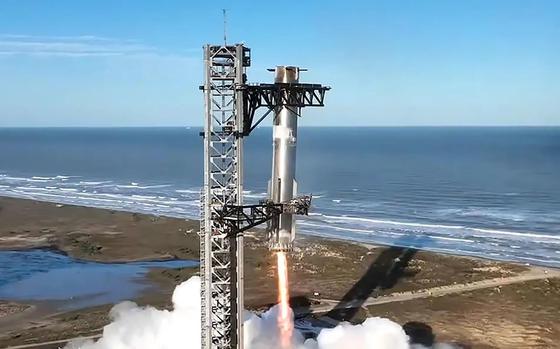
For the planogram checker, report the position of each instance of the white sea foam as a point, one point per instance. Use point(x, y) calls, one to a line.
point(325, 226)
point(164, 199)
point(23, 179)
point(145, 197)
point(188, 191)
point(513, 233)
point(94, 182)
point(483, 212)
point(539, 260)
point(46, 178)
point(118, 201)
point(450, 239)
point(335, 219)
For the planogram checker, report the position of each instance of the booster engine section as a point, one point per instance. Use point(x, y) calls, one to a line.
point(283, 186)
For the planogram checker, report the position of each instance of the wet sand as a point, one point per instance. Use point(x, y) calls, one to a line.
point(324, 273)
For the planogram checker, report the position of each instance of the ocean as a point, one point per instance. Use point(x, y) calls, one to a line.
point(489, 192)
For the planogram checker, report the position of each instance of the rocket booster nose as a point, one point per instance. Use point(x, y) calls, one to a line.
point(286, 74)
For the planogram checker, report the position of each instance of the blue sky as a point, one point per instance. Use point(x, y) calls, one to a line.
point(138, 63)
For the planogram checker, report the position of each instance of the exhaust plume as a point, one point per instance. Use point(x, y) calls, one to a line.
point(285, 321)
point(136, 327)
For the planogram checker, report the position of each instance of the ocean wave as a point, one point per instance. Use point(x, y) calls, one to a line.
point(94, 182)
point(188, 191)
point(22, 179)
point(451, 239)
point(344, 219)
point(137, 186)
point(76, 194)
point(326, 226)
point(256, 196)
point(35, 179)
point(480, 212)
point(379, 232)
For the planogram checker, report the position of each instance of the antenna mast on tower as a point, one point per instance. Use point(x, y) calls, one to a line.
point(225, 26)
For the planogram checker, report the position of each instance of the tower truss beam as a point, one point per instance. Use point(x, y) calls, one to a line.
point(270, 96)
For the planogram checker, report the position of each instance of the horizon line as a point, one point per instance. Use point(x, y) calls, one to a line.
point(306, 126)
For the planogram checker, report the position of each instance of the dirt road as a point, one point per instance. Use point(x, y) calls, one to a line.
point(536, 273)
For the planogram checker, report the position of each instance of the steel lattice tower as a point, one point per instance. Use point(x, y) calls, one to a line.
point(221, 260)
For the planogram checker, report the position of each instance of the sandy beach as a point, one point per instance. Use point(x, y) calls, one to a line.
point(475, 302)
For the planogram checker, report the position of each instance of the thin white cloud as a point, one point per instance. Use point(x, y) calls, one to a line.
point(71, 46)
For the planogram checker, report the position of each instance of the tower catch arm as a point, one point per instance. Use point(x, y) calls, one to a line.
point(239, 218)
point(296, 95)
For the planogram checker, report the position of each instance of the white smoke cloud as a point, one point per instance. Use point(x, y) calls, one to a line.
point(135, 327)
point(373, 333)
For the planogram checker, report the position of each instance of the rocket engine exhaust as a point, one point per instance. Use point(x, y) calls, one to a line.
point(283, 186)
point(285, 322)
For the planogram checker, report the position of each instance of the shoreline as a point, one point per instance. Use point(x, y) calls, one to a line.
point(345, 280)
point(193, 227)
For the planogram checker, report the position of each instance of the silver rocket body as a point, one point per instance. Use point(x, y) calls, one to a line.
point(282, 186)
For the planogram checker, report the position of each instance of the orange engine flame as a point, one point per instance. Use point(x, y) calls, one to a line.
point(285, 323)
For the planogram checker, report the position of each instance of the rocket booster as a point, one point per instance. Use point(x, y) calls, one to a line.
point(283, 186)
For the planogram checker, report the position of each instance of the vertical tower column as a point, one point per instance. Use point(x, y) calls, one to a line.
point(221, 255)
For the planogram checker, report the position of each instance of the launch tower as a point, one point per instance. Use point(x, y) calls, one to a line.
point(230, 114)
